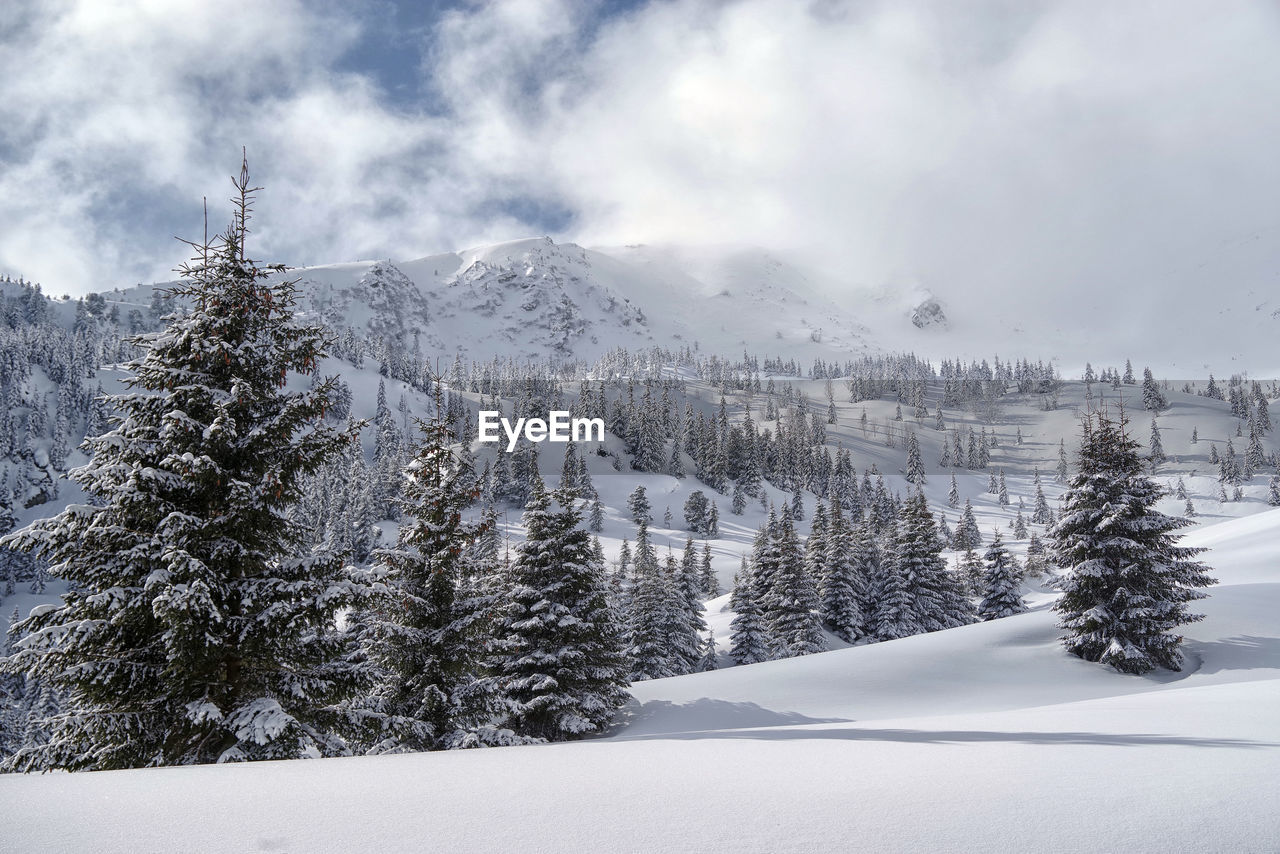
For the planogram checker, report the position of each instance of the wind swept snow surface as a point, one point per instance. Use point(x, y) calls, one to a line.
point(987, 737)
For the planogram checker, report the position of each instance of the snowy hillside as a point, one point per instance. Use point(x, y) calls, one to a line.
point(538, 299)
point(921, 742)
point(979, 738)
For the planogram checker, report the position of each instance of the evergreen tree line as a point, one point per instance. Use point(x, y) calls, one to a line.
point(202, 625)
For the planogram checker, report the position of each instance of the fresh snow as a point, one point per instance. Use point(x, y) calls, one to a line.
point(978, 738)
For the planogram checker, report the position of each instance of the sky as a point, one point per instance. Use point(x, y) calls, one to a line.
point(1097, 158)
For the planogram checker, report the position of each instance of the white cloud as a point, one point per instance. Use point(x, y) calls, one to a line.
point(1057, 156)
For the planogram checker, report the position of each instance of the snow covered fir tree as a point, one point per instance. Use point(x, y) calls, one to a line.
point(1127, 583)
point(200, 627)
point(558, 645)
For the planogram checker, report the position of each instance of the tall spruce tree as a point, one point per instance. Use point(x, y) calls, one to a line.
point(749, 638)
point(707, 575)
point(842, 581)
point(915, 466)
point(792, 605)
point(558, 648)
point(198, 627)
point(1126, 582)
point(424, 633)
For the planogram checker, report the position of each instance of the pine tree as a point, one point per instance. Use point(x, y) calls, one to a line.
point(423, 634)
point(1126, 583)
point(915, 466)
point(675, 464)
point(967, 535)
point(1156, 455)
point(663, 637)
point(709, 655)
point(569, 469)
point(934, 598)
point(1019, 526)
point(12, 695)
point(696, 507)
point(791, 609)
point(953, 495)
point(707, 575)
point(843, 583)
point(1041, 515)
point(1152, 397)
point(971, 571)
point(749, 640)
point(1037, 557)
point(638, 504)
point(558, 652)
point(683, 618)
point(1001, 583)
point(624, 558)
point(215, 632)
point(893, 616)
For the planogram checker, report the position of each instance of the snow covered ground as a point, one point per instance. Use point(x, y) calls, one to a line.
point(982, 737)
point(986, 737)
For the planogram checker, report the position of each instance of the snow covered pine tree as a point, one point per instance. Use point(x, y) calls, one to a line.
point(424, 636)
point(1125, 581)
point(559, 660)
point(198, 627)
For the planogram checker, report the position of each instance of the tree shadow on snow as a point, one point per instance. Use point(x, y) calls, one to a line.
point(662, 718)
point(1244, 652)
point(959, 737)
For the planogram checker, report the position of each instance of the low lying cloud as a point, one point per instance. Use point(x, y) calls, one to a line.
point(1095, 159)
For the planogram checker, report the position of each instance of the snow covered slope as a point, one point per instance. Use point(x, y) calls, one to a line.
point(980, 738)
point(536, 299)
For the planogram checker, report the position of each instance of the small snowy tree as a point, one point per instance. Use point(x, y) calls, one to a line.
point(638, 504)
point(1001, 583)
point(748, 634)
point(967, 535)
point(710, 584)
point(696, 507)
point(558, 652)
point(1126, 582)
point(915, 466)
point(1156, 455)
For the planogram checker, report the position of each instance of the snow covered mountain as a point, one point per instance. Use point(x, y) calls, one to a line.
point(539, 299)
point(536, 299)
